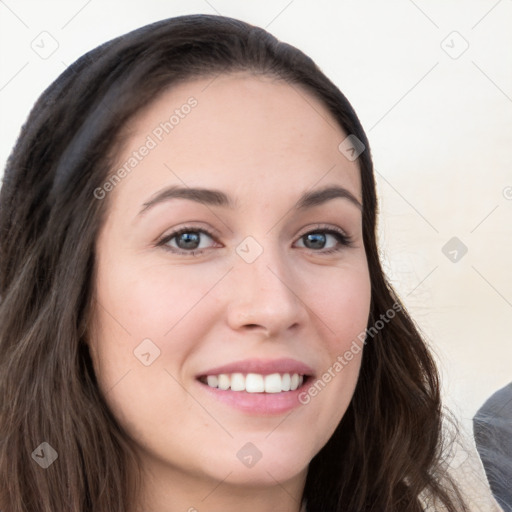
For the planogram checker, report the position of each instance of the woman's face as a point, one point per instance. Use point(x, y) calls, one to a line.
point(244, 285)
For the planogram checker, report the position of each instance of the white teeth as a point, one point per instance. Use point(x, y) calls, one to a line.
point(295, 382)
point(212, 381)
point(256, 383)
point(285, 382)
point(224, 381)
point(237, 382)
point(273, 383)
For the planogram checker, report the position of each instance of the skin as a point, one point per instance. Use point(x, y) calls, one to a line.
point(264, 143)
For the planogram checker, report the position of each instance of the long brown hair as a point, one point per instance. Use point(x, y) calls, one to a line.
point(387, 450)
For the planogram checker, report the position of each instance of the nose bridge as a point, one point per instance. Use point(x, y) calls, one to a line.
point(266, 272)
point(265, 294)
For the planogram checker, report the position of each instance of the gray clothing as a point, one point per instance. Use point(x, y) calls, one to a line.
point(492, 428)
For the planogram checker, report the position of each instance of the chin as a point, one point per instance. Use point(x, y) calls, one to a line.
point(263, 459)
point(266, 474)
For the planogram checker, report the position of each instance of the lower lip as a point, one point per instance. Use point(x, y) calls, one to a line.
point(258, 403)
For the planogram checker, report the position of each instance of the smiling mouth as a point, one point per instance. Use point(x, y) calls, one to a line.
point(255, 382)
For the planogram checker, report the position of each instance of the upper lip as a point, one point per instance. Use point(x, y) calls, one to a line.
point(262, 366)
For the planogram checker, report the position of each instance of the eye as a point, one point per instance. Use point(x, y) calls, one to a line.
point(325, 240)
point(187, 240)
point(191, 241)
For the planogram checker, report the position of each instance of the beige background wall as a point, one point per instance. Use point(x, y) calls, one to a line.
point(438, 115)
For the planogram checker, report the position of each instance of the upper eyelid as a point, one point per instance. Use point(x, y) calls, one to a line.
point(175, 232)
point(170, 236)
point(212, 232)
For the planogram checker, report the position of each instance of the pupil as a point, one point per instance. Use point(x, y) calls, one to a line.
point(190, 240)
point(317, 240)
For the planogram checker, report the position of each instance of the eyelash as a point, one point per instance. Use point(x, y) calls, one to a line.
point(343, 239)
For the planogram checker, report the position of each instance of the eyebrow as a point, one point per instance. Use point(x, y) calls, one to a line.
point(218, 198)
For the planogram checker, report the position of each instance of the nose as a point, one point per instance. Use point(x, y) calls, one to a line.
point(265, 296)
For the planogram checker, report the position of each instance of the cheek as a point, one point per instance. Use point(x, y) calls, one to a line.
point(341, 304)
point(151, 301)
point(148, 310)
point(145, 309)
point(341, 301)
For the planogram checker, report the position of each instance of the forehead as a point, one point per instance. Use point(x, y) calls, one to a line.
point(255, 133)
